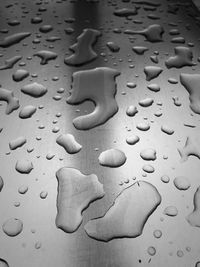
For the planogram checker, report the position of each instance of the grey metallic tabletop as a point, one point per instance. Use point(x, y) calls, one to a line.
point(99, 133)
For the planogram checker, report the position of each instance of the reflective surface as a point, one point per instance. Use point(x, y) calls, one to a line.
point(134, 161)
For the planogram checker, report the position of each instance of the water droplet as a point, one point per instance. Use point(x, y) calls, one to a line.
point(165, 179)
point(152, 72)
point(24, 166)
point(170, 211)
point(151, 251)
point(50, 156)
point(34, 89)
point(131, 111)
point(43, 194)
point(131, 85)
point(178, 40)
point(182, 183)
point(148, 154)
point(20, 75)
point(45, 28)
point(23, 189)
point(38, 245)
point(146, 102)
point(12, 227)
point(125, 12)
point(180, 253)
point(112, 158)
point(132, 140)
point(18, 142)
point(36, 20)
point(154, 87)
point(27, 112)
point(113, 47)
point(140, 49)
point(143, 126)
point(68, 142)
point(166, 129)
point(157, 234)
point(148, 168)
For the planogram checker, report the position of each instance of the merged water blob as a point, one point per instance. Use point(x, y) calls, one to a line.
point(3, 263)
point(75, 193)
point(128, 214)
point(12, 227)
point(194, 217)
point(183, 57)
point(12, 101)
point(152, 33)
point(112, 158)
point(84, 82)
point(9, 63)
point(14, 39)
point(191, 148)
point(34, 89)
point(191, 84)
point(68, 142)
point(83, 49)
point(45, 56)
point(18, 142)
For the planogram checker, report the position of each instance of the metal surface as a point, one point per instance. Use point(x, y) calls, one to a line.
point(38, 215)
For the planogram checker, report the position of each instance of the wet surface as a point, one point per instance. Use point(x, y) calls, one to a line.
point(99, 133)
